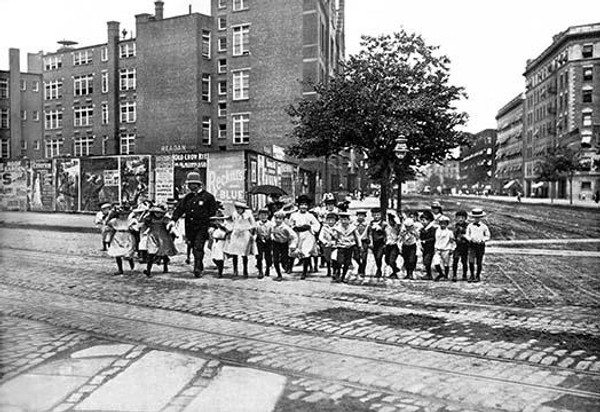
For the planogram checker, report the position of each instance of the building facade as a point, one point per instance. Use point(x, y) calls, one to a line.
point(21, 121)
point(562, 108)
point(508, 172)
point(477, 162)
point(188, 83)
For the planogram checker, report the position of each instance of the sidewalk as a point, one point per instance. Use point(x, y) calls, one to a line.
point(588, 204)
point(64, 222)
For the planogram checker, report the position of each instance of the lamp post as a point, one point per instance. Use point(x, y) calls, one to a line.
point(400, 150)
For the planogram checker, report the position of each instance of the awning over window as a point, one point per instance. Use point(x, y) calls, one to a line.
point(537, 185)
point(509, 184)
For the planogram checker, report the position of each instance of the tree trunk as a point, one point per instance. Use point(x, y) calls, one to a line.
point(571, 189)
point(551, 191)
point(383, 196)
point(326, 181)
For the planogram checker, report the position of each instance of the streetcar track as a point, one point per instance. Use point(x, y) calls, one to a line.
point(97, 314)
point(377, 301)
point(316, 332)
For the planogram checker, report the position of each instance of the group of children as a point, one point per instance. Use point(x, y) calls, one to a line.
point(145, 231)
point(280, 235)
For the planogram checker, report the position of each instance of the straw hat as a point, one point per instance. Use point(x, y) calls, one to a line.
point(477, 212)
point(241, 205)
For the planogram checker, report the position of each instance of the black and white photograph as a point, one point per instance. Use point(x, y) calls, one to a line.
point(299, 206)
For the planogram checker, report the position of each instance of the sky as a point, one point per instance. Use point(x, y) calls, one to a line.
point(487, 41)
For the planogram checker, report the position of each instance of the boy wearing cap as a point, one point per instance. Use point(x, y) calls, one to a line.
point(347, 241)
point(361, 252)
point(284, 242)
point(409, 237)
point(444, 245)
point(101, 220)
point(328, 240)
point(377, 235)
point(477, 234)
point(391, 251)
point(264, 245)
point(461, 251)
point(427, 236)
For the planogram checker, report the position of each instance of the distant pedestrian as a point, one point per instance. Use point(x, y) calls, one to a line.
point(101, 220)
point(461, 251)
point(122, 245)
point(519, 197)
point(437, 210)
point(241, 242)
point(284, 243)
point(264, 244)
point(427, 236)
point(444, 246)
point(477, 234)
point(197, 207)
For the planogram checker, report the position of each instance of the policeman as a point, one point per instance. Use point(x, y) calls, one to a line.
point(197, 207)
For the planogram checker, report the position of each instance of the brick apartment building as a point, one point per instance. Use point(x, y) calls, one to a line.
point(508, 171)
point(562, 108)
point(477, 161)
point(21, 112)
point(188, 83)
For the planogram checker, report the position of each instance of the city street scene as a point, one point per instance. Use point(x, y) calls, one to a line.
point(318, 205)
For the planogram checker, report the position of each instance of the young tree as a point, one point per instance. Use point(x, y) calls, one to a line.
point(396, 86)
point(558, 163)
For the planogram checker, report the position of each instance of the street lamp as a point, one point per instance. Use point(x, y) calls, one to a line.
point(400, 150)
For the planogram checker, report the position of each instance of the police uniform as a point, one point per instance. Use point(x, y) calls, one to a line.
point(197, 208)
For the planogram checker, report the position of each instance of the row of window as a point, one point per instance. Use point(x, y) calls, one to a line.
point(587, 51)
point(84, 85)
point(82, 116)
point(83, 57)
point(238, 5)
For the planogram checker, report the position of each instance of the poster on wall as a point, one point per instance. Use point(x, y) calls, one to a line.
point(13, 185)
point(183, 163)
point(135, 178)
point(99, 182)
point(42, 191)
point(66, 182)
point(163, 178)
point(226, 174)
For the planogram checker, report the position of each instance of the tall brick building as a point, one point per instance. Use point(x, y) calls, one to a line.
point(188, 83)
point(562, 108)
point(508, 171)
point(477, 161)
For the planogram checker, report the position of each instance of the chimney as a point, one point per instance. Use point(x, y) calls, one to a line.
point(158, 9)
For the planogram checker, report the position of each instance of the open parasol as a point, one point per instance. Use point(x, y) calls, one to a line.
point(267, 190)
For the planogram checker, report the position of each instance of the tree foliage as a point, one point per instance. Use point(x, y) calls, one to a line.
point(395, 86)
point(559, 162)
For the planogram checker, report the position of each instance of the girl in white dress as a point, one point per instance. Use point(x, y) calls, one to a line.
point(241, 242)
point(306, 226)
point(122, 245)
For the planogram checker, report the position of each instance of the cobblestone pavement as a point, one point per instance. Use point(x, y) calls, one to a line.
point(521, 340)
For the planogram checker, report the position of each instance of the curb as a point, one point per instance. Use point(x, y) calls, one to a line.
point(50, 228)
